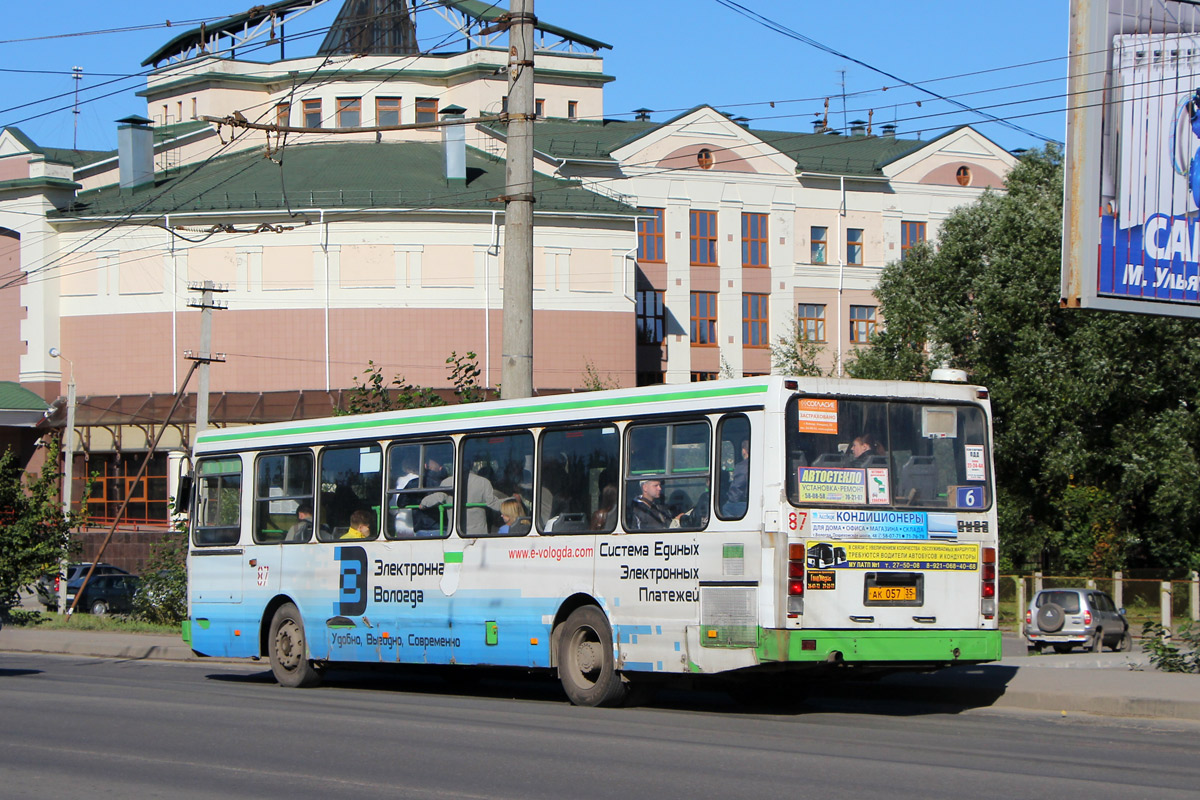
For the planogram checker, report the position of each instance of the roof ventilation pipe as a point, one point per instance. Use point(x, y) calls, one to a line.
point(858, 127)
point(889, 130)
point(135, 152)
point(454, 142)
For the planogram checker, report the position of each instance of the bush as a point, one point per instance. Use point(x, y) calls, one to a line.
point(1165, 654)
point(162, 597)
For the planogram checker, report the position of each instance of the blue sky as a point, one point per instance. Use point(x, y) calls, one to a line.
point(668, 55)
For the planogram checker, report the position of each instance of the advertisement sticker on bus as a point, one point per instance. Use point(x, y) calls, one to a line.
point(818, 415)
point(870, 524)
point(877, 486)
point(975, 463)
point(895, 556)
point(824, 485)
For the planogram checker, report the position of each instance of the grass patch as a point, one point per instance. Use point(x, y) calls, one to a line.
point(53, 621)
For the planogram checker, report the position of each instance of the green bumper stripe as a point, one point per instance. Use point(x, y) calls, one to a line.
point(185, 630)
point(879, 646)
point(452, 558)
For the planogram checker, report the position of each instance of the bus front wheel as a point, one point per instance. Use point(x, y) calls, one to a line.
point(585, 660)
point(289, 651)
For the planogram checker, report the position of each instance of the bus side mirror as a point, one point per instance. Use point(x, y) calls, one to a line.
point(183, 499)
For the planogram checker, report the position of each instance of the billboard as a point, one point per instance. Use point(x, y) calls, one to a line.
point(1131, 227)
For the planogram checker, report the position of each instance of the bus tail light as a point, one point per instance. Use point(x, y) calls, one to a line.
point(795, 580)
point(987, 587)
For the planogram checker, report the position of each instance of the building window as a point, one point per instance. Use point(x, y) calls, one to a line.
point(312, 113)
point(754, 320)
point(704, 158)
point(427, 108)
point(704, 238)
point(387, 110)
point(651, 318)
point(650, 234)
point(539, 107)
point(854, 247)
point(504, 104)
point(650, 378)
point(349, 112)
point(911, 234)
point(862, 324)
point(810, 322)
point(113, 481)
point(697, 377)
point(818, 236)
point(963, 176)
point(572, 109)
point(283, 114)
point(754, 240)
point(704, 318)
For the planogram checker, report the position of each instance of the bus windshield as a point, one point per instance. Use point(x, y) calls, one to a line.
point(886, 453)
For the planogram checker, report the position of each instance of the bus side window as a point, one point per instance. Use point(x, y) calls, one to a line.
point(494, 468)
point(668, 478)
point(733, 468)
point(283, 498)
point(218, 510)
point(577, 480)
point(351, 493)
point(420, 492)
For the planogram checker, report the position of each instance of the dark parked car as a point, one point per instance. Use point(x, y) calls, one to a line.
point(47, 585)
point(1064, 618)
point(109, 594)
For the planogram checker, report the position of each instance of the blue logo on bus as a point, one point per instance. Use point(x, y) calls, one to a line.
point(352, 583)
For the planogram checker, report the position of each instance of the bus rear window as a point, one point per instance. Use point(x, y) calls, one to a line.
point(875, 452)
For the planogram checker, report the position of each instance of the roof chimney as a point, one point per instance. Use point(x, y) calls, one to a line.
point(642, 114)
point(743, 121)
point(858, 127)
point(135, 152)
point(454, 142)
point(889, 130)
point(818, 126)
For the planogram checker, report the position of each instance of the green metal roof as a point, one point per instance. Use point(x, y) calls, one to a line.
point(487, 12)
point(813, 152)
point(195, 36)
point(15, 397)
point(346, 175)
point(61, 155)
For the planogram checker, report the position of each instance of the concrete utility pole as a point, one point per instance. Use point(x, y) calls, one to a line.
point(68, 465)
point(516, 372)
point(206, 304)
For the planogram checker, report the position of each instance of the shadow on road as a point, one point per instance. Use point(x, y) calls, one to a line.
point(952, 690)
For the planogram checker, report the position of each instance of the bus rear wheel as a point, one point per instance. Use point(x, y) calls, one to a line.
point(289, 650)
point(586, 666)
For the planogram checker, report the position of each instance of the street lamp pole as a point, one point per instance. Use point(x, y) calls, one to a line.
point(68, 464)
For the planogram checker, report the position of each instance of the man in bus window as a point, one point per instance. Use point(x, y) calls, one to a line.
point(301, 530)
point(647, 512)
point(739, 483)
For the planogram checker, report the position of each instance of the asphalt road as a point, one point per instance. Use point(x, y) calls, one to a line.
point(106, 728)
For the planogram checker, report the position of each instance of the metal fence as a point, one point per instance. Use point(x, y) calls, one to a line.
point(1169, 602)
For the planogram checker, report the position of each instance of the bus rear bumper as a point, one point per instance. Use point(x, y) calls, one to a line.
point(896, 647)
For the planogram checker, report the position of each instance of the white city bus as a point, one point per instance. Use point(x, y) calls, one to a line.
point(751, 527)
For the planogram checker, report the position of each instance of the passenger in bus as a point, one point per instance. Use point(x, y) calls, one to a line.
point(360, 525)
point(603, 518)
point(515, 522)
point(647, 512)
point(739, 483)
point(301, 530)
point(865, 450)
point(408, 474)
point(480, 496)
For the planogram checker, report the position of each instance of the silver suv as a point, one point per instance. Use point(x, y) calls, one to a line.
point(1064, 618)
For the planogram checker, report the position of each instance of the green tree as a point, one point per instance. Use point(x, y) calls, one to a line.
point(373, 394)
point(34, 533)
point(1096, 428)
point(796, 354)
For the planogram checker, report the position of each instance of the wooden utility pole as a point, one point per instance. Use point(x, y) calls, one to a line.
point(516, 373)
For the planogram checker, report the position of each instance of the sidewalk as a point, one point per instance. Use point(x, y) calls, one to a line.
point(1108, 684)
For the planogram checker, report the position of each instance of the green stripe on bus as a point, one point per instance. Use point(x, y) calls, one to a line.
point(452, 558)
point(474, 412)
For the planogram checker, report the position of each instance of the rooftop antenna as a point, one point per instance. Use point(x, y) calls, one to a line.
point(843, 85)
point(77, 76)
